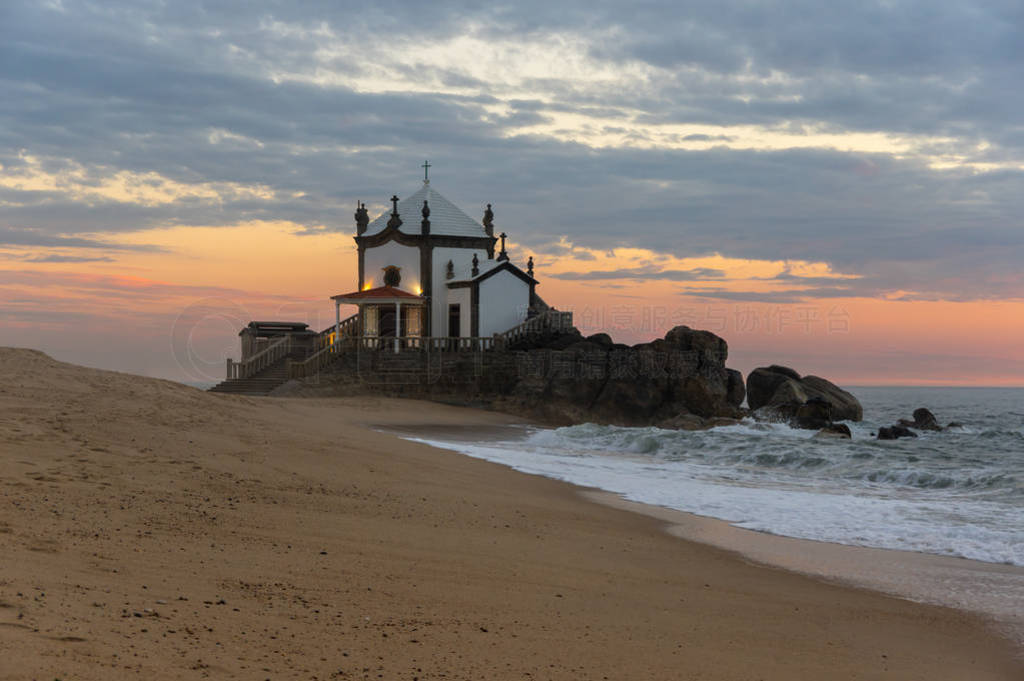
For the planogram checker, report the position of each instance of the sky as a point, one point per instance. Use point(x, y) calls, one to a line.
point(832, 186)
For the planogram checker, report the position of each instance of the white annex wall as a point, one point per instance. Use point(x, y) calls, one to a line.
point(504, 302)
point(392, 253)
point(462, 297)
point(462, 258)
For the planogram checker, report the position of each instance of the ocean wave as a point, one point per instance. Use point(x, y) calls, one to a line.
point(959, 492)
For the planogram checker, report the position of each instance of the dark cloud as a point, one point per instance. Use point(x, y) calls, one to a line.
point(643, 274)
point(782, 297)
point(184, 90)
point(15, 237)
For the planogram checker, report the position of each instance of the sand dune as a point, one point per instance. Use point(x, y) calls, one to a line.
point(150, 530)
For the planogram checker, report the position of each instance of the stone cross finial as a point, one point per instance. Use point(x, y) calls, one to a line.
point(450, 272)
point(503, 255)
point(425, 223)
point(476, 265)
point(529, 266)
point(395, 222)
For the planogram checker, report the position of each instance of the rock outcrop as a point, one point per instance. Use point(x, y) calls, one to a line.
point(895, 432)
point(835, 430)
point(676, 381)
point(923, 420)
point(780, 393)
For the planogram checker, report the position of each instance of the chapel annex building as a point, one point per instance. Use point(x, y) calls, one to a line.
point(431, 279)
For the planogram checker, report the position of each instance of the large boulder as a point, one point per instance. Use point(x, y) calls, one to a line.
point(764, 381)
point(652, 383)
point(845, 407)
point(784, 391)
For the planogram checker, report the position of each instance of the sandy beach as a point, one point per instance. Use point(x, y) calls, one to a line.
point(151, 530)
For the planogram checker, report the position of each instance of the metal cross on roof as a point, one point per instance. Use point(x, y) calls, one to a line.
point(426, 167)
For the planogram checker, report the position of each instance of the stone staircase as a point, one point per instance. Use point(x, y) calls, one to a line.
point(259, 384)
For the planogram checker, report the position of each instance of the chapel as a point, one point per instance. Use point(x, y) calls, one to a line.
point(426, 269)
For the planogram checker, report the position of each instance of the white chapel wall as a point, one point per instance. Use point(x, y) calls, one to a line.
point(504, 302)
point(462, 258)
point(392, 253)
point(463, 297)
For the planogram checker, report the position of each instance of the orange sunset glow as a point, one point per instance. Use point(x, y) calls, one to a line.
point(852, 213)
point(189, 298)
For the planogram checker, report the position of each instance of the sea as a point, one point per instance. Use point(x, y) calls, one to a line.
point(952, 500)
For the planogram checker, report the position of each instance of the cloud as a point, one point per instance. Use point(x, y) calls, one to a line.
point(778, 297)
point(643, 273)
point(881, 138)
point(56, 257)
point(20, 237)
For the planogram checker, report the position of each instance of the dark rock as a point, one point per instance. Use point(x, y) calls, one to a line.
point(631, 402)
point(574, 380)
point(719, 421)
point(814, 414)
point(764, 381)
point(895, 432)
point(706, 344)
point(835, 430)
point(785, 371)
point(684, 422)
point(954, 424)
point(845, 407)
point(562, 341)
point(584, 346)
point(735, 391)
point(784, 390)
point(925, 420)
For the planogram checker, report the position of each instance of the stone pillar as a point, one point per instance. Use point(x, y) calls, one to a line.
point(398, 323)
point(337, 322)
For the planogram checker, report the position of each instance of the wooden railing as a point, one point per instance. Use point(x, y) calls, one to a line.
point(314, 363)
point(439, 344)
point(324, 349)
point(348, 327)
point(549, 321)
point(326, 355)
point(273, 353)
